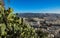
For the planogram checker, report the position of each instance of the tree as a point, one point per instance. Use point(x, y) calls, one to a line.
point(10, 26)
point(41, 34)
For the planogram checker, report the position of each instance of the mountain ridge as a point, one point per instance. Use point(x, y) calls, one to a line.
point(39, 15)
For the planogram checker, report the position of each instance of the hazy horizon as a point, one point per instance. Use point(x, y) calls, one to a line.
point(35, 6)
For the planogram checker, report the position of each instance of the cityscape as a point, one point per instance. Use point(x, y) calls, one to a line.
point(29, 18)
point(46, 22)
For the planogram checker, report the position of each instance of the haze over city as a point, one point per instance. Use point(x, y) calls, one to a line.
point(29, 18)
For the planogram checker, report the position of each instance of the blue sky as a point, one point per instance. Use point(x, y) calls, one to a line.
point(35, 6)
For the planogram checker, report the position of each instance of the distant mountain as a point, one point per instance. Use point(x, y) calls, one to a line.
point(39, 15)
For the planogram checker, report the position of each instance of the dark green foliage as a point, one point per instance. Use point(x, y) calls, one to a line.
point(41, 34)
point(11, 27)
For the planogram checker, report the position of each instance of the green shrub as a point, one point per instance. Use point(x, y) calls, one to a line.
point(12, 27)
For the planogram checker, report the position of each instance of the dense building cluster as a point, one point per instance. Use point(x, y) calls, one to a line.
point(52, 27)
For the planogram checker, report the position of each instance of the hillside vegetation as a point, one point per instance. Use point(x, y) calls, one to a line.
point(12, 27)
